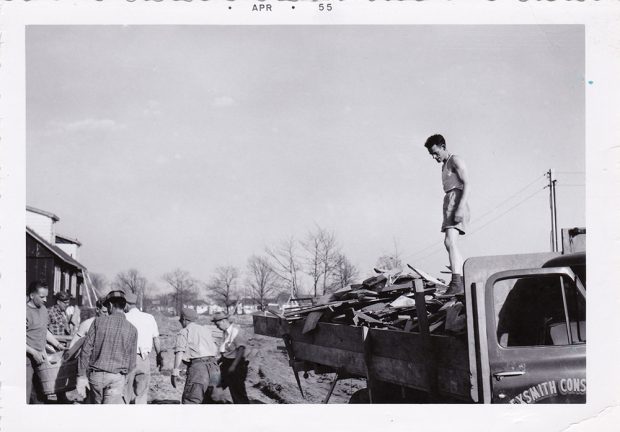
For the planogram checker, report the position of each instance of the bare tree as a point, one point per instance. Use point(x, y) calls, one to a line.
point(322, 253)
point(100, 283)
point(131, 281)
point(284, 262)
point(184, 288)
point(314, 259)
point(223, 285)
point(329, 256)
point(261, 279)
point(390, 261)
point(345, 273)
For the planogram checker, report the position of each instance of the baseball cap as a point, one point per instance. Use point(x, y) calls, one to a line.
point(63, 296)
point(219, 316)
point(114, 294)
point(131, 298)
point(189, 314)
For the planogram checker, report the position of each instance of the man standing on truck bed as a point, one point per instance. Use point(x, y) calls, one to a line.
point(455, 207)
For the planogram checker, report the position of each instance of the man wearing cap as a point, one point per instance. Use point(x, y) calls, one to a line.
point(58, 322)
point(108, 353)
point(195, 347)
point(233, 363)
point(148, 338)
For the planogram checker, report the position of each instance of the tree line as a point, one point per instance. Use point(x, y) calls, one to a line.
point(311, 266)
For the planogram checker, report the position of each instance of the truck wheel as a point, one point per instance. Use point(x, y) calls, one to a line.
point(360, 397)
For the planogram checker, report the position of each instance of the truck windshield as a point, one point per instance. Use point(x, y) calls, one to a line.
point(530, 311)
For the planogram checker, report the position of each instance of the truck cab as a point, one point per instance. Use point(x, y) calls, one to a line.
point(527, 324)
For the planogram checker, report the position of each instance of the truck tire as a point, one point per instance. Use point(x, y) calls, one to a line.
point(360, 397)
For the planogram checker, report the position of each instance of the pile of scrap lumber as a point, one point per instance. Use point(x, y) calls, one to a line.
point(386, 300)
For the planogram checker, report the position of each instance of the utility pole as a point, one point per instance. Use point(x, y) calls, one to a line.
point(553, 211)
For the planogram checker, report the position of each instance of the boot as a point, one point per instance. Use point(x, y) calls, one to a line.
point(455, 288)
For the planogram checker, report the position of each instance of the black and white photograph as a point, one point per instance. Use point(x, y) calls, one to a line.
point(318, 213)
point(326, 190)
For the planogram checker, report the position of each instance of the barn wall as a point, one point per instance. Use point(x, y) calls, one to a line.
point(39, 263)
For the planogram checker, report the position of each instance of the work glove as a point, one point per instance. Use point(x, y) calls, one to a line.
point(174, 377)
point(159, 360)
point(82, 385)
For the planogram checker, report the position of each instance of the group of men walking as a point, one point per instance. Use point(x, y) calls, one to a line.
point(114, 359)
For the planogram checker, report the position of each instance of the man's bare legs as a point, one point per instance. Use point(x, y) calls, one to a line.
point(456, 261)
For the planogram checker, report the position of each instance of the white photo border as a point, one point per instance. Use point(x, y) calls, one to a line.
point(601, 412)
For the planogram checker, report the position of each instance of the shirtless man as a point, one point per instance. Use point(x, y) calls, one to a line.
point(455, 207)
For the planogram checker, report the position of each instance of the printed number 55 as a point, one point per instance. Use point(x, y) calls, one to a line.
point(323, 7)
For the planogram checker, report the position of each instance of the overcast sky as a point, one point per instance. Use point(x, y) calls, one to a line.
point(196, 146)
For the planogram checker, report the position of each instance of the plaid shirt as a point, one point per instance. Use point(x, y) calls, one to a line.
point(109, 346)
point(58, 324)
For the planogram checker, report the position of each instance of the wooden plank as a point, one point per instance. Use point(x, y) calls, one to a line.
point(451, 382)
point(454, 382)
point(266, 325)
point(330, 336)
point(451, 351)
point(350, 362)
point(311, 321)
point(427, 345)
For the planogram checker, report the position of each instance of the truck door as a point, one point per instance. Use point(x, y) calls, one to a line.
point(536, 336)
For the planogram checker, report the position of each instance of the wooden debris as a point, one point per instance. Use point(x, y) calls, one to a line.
point(385, 301)
point(311, 321)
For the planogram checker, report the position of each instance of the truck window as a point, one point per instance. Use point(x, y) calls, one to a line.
point(530, 311)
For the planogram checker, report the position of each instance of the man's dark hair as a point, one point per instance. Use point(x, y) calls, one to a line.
point(35, 285)
point(99, 304)
point(116, 303)
point(435, 140)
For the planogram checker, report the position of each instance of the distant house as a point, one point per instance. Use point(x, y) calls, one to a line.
point(54, 258)
point(248, 305)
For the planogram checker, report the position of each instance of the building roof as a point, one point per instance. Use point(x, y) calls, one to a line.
point(66, 239)
point(55, 249)
point(43, 212)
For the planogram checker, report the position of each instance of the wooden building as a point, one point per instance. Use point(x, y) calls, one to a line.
point(53, 258)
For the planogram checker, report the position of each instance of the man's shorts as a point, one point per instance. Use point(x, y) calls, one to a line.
point(450, 203)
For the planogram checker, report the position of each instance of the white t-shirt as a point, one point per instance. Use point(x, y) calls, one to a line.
point(147, 330)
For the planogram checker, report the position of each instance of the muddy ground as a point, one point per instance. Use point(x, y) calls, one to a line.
point(270, 378)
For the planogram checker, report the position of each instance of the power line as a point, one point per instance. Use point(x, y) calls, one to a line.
point(435, 244)
point(491, 221)
point(509, 209)
point(509, 198)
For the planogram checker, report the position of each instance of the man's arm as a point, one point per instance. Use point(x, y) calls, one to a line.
point(240, 353)
point(38, 356)
point(179, 350)
point(87, 348)
point(156, 345)
point(461, 171)
point(51, 339)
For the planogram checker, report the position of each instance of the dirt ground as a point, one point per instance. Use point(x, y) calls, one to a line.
point(270, 378)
